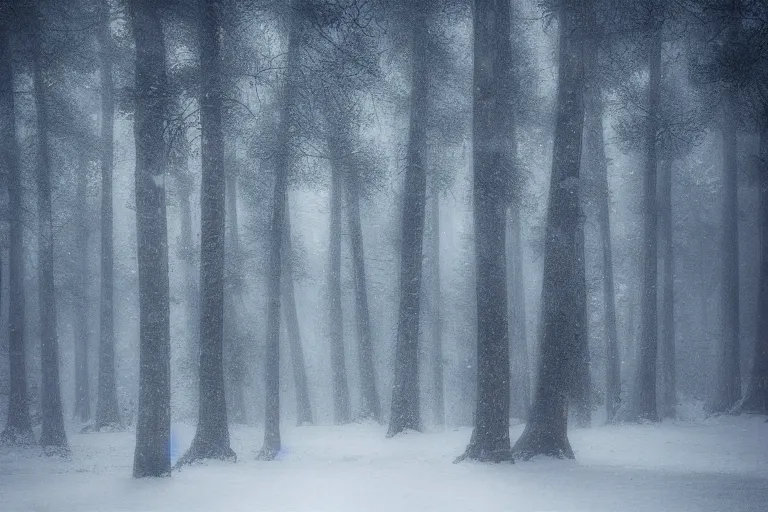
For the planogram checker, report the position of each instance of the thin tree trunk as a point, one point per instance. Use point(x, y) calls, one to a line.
point(271, 446)
point(341, 408)
point(668, 380)
point(82, 388)
point(212, 437)
point(371, 407)
point(53, 437)
point(191, 294)
point(642, 406)
point(107, 408)
point(18, 429)
point(433, 302)
point(519, 360)
point(303, 404)
point(405, 414)
point(581, 390)
point(546, 432)
point(756, 396)
point(490, 124)
point(151, 457)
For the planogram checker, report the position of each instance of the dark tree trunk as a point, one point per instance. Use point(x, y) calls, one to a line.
point(341, 409)
point(490, 124)
point(546, 432)
point(107, 409)
point(581, 389)
point(405, 414)
point(519, 361)
point(728, 390)
point(371, 407)
point(642, 405)
point(82, 389)
point(18, 429)
point(235, 358)
point(53, 437)
point(433, 303)
point(668, 380)
point(191, 293)
point(212, 437)
point(303, 404)
point(756, 396)
point(152, 456)
point(271, 446)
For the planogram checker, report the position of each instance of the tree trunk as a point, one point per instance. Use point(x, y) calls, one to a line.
point(728, 390)
point(341, 409)
point(668, 380)
point(53, 437)
point(82, 389)
point(191, 294)
point(271, 446)
point(433, 303)
point(107, 408)
point(756, 397)
point(519, 360)
point(581, 389)
point(546, 432)
point(18, 429)
point(235, 358)
point(490, 125)
point(405, 414)
point(212, 437)
point(303, 405)
point(642, 406)
point(151, 457)
point(371, 407)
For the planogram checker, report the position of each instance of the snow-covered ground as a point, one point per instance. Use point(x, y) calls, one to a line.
point(718, 465)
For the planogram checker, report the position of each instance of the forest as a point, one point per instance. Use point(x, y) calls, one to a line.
point(391, 254)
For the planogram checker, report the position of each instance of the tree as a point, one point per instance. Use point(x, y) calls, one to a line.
point(107, 408)
point(18, 429)
point(53, 437)
point(82, 388)
point(546, 432)
point(212, 437)
point(151, 457)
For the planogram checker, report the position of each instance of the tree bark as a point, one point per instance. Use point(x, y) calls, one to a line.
point(546, 430)
point(53, 436)
point(18, 429)
point(152, 456)
point(107, 408)
point(519, 360)
point(642, 406)
point(668, 378)
point(82, 388)
point(303, 404)
point(371, 407)
point(405, 414)
point(756, 396)
point(433, 304)
point(212, 437)
point(341, 408)
point(490, 124)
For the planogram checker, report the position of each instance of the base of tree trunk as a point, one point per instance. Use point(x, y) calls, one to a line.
point(202, 450)
point(535, 442)
point(268, 452)
point(14, 436)
point(478, 453)
point(92, 428)
point(754, 402)
point(394, 431)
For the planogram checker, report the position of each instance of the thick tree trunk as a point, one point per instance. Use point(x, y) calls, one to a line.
point(234, 359)
point(405, 414)
point(53, 437)
point(212, 437)
point(756, 396)
point(371, 407)
point(520, 366)
point(546, 432)
point(303, 404)
point(668, 380)
point(107, 409)
point(642, 406)
point(490, 124)
point(18, 429)
point(433, 302)
point(82, 388)
point(191, 295)
point(341, 408)
point(728, 390)
point(152, 456)
point(581, 389)
point(271, 446)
